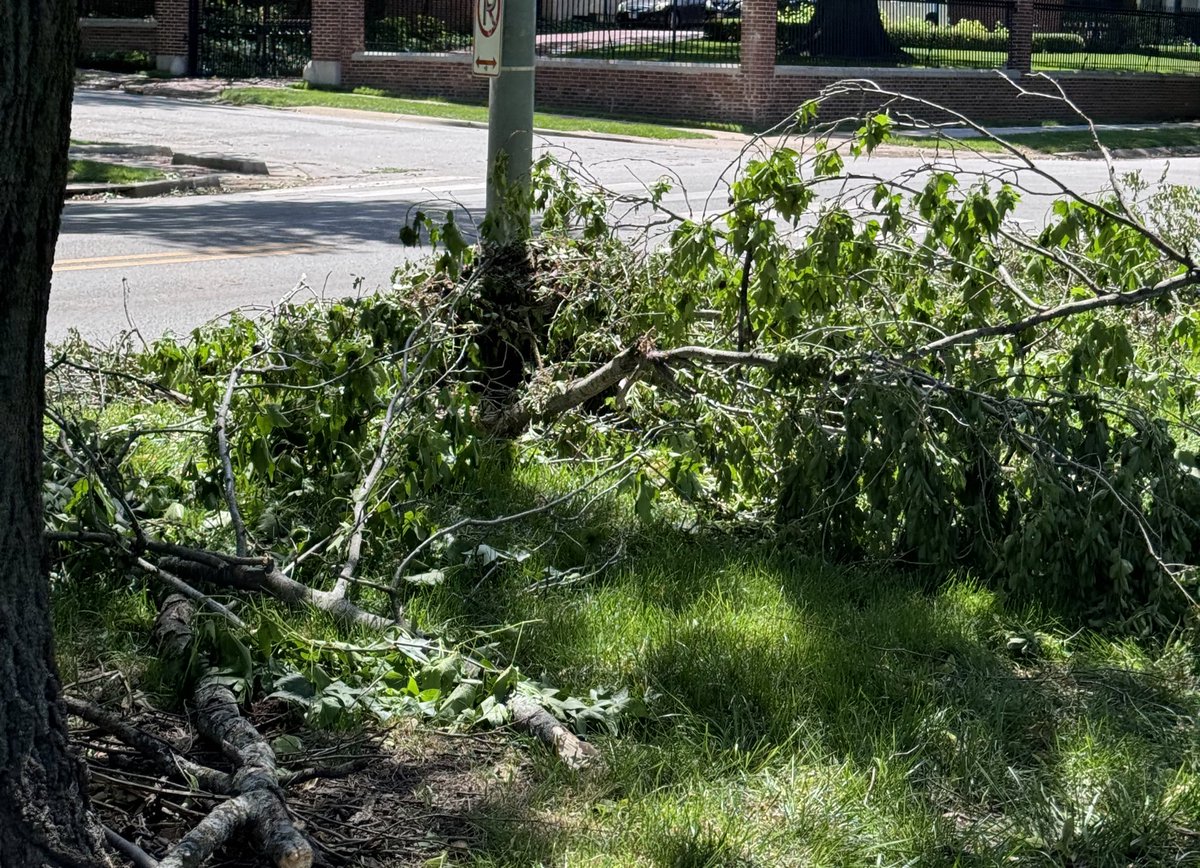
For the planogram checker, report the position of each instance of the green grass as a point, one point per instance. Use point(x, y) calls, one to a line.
point(947, 58)
point(375, 101)
point(686, 51)
point(1068, 141)
point(96, 172)
point(799, 714)
point(807, 715)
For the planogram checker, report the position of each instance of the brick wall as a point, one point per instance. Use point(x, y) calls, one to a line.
point(337, 29)
point(109, 35)
point(702, 92)
point(985, 95)
point(172, 17)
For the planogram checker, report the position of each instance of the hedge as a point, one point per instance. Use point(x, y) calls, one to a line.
point(963, 36)
point(1058, 43)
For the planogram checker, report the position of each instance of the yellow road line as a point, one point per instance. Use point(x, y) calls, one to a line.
point(122, 257)
point(141, 260)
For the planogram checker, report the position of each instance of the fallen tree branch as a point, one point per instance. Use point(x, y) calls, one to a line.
point(220, 428)
point(272, 581)
point(182, 565)
point(1071, 308)
point(165, 758)
point(529, 716)
point(258, 803)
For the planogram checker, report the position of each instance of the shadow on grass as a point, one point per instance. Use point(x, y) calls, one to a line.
point(994, 735)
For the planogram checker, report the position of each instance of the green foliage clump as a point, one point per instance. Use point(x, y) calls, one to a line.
point(1058, 43)
point(965, 35)
point(418, 33)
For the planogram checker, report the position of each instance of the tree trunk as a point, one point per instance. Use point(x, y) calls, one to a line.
point(850, 29)
point(44, 817)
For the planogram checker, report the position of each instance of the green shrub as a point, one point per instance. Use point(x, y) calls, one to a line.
point(1058, 43)
point(964, 36)
point(1108, 33)
point(419, 34)
point(116, 61)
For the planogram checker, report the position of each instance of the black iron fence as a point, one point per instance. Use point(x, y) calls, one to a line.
point(1116, 40)
point(682, 31)
point(253, 38)
point(116, 8)
point(673, 31)
point(425, 26)
point(980, 34)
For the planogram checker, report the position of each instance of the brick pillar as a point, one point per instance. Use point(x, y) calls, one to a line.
point(337, 32)
point(1020, 36)
point(759, 20)
point(172, 19)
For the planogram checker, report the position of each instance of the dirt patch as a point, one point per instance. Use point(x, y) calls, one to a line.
point(418, 796)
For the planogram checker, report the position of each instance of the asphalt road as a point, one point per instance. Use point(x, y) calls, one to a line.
point(170, 264)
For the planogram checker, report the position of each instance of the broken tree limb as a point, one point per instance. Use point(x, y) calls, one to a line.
point(258, 802)
point(273, 582)
point(220, 428)
point(182, 567)
point(515, 418)
point(177, 584)
point(165, 757)
point(626, 365)
point(530, 717)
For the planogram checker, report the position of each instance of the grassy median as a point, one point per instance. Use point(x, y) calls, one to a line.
point(1066, 141)
point(368, 99)
point(96, 172)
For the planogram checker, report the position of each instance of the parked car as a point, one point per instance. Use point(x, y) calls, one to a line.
point(723, 8)
point(667, 13)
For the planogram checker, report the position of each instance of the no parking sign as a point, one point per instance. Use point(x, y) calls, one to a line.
point(489, 29)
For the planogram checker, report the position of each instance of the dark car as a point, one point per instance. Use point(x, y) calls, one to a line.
point(723, 8)
point(668, 13)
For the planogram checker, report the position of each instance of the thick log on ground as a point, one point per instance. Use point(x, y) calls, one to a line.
point(258, 805)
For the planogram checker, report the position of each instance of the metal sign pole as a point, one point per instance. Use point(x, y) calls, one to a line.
point(510, 111)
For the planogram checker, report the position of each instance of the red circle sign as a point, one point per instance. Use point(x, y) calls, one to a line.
point(488, 13)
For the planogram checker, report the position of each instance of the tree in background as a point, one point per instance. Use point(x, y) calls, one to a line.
point(849, 28)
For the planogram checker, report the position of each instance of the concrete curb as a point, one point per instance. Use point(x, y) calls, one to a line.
point(146, 188)
point(124, 150)
point(222, 163)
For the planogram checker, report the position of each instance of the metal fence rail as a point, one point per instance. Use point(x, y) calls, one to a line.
point(425, 26)
point(673, 31)
point(116, 8)
point(936, 33)
point(682, 31)
point(1077, 36)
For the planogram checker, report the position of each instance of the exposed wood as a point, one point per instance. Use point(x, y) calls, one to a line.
point(530, 717)
point(169, 762)
point(259, 802)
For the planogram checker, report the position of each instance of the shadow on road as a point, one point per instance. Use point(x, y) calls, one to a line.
point(208, 221)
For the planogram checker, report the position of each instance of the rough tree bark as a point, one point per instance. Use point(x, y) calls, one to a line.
point(850, 29)
point(44, 816)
